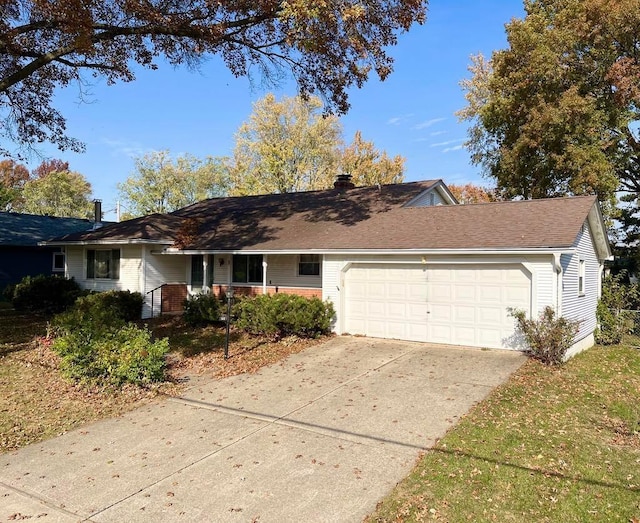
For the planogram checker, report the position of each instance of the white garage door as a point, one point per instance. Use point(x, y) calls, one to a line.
point(387, 301)
point(456, 304)
point(468, 305)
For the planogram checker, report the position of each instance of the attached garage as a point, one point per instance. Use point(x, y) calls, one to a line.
point(455, 304)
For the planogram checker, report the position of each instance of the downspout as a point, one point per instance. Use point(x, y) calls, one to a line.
point(264, 274)
point(205, 287)
point(558, 268)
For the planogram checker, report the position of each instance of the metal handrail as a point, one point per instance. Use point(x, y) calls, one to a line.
point(151, 292)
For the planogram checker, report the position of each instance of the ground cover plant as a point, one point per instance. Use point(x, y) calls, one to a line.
point(552, 444)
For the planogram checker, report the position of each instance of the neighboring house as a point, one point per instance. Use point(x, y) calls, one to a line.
point(20, 254)
point(398, 261)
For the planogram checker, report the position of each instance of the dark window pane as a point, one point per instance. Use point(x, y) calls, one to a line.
point(115, 264)
point(91, 262)
point(197, 273)
point(309, 265)
point(239, 268)
point(255, 268)
point(210, 270)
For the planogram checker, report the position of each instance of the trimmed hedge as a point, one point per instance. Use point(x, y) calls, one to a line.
point(283, 315)
point(44, 294)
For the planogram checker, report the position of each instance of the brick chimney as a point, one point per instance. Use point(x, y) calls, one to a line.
point(343, 181)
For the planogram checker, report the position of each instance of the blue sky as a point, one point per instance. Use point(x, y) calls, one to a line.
point(411, 113)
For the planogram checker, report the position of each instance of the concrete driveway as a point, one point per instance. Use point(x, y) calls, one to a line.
point(322, 436)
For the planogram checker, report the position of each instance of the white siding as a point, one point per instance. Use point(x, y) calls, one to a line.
point(424, 200)
point(576, 307)
point(161, 269)
point(130, 268)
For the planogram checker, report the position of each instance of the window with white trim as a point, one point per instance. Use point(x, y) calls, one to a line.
point(58, 262)
point(103, 264)
point(247, 268)
point(581, 277)
point(309, 265)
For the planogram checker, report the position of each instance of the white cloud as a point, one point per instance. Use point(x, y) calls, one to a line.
point(437, 133)
point(450, 149)
point(444, 144)
point(427, 123)
point(124, 148)
point(397, 120)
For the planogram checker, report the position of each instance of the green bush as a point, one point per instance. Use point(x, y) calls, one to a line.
point(202, 309)
point(125, 355)
point(284, 314)
point(548, 337)
point(96, 343)
point(45, 294)
point(613, 321)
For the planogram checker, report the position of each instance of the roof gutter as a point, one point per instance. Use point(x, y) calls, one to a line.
point(104, 242)
point(519, 252)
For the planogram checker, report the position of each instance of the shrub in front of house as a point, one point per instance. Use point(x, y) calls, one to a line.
point(45, 294)
point(548, 337)
point(614, 321)
point(202, 309)
point(124, 304)
point(96, 343)
point(283, 315)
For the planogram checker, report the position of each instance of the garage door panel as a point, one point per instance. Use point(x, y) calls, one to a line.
point(464, 314)
point(478, 300)
point(463, 292)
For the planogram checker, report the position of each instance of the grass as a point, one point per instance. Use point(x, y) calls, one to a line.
point(552, 444)
point(37, 403)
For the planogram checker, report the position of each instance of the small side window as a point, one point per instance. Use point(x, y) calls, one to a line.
point(581, 277)
point(58, 261)
point(309, 265)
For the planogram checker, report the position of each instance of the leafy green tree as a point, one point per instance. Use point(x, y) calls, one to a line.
point(161, 184)
point(327, 46)
point(286, 146)
point(368, 166)
point(553, 114)
point(59, 193)
point(12, 178)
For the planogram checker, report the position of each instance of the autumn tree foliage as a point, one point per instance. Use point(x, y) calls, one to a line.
point(470, 193)
point(161, 183)
point(59, 193)
point(285, 146)
point(554, 114)
point(328, 47)
point(369, 166)
point(12, 179)
point(290, 145)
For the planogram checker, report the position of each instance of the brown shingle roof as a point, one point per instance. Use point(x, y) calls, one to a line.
point(361, 218)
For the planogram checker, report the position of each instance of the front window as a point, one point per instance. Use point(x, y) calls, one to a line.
point(247, 269)
point(58, 262)
point(197, 271)
point(309, 265)
point(103, 264)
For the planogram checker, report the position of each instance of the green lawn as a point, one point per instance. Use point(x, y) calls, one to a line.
point(553, 444)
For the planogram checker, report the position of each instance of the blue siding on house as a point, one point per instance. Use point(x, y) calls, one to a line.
point(18, 262)
point(576, 306)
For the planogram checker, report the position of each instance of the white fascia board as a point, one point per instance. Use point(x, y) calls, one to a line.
point(518, 252)
point(104, 242)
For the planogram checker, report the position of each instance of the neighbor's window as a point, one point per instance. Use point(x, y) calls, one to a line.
point(103, 264)
point(58, 261)
point(247, 268)
point(581, 277)
point(309, 265)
